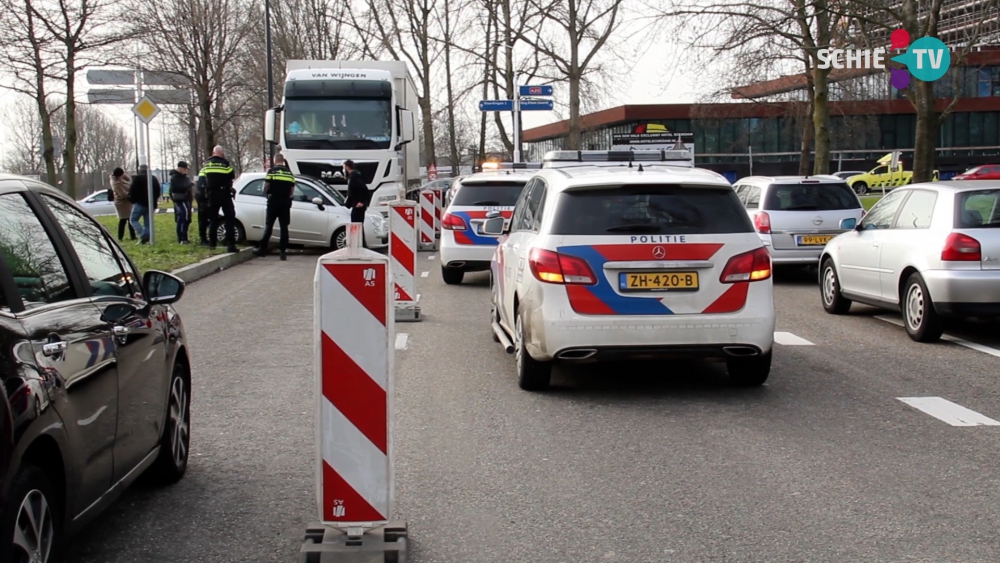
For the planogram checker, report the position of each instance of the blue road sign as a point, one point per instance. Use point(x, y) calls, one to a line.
point(536, 105)
point(496, 105)
point(536, 90)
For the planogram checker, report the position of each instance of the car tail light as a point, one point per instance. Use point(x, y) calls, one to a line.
point(552, 267)
point(762, 222)
point(452, 222)
point(961, 248)
point(749, 266)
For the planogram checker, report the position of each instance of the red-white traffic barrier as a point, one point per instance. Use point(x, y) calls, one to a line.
point(403, 258)
point(428, 240)
point(438, 207)
point(354, 327)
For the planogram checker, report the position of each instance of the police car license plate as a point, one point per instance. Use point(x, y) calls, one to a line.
point(658, 281)
point(812, 240)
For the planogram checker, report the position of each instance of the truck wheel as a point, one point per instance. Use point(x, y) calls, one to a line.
point(861, 188)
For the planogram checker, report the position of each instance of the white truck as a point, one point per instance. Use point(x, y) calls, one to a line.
point(332, 111)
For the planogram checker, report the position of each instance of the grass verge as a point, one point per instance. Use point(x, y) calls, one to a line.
point(869, 200)
point(166, 254)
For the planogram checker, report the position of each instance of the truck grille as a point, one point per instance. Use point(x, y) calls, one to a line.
point(327, 172)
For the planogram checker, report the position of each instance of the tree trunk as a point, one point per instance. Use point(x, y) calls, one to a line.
point(45, 116)
point(69, 149)
point(821, 121)
point(808, 132)
point(928, 126)
point(453, 155)
point(575, 76)
point(428, 124)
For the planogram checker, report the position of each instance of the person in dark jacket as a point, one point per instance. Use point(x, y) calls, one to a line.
point(182, 194)
point(142, 208)
point(358, 194)
point(219, 176)
point(201, 197)
point(279, 185)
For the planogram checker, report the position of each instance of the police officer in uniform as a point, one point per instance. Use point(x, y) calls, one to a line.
point(279, 185)
point(218, 177)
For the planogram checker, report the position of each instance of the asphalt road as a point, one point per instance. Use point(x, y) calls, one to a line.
point(638, 462)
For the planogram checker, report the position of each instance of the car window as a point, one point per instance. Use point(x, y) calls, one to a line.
point(521, 206)
point(305, 193)
point(650, 210)
point(882, 214)
point(917, 210)
point(810, 197)
point(753, 198)
point(39, 274)
point(533, 208)
point(741, 192)
point(980, 208)
point(880, 170)
point(494, 193)
point(330, 192)
point(254, 188)
point(104, 272)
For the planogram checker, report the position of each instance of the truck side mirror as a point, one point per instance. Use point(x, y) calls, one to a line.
point(406, 130)
point(269, 118)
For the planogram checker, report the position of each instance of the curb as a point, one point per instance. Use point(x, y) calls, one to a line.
point(213, 265)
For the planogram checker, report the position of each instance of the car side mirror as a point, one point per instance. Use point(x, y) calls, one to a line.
point(117, 312)
point(848, 224)
point(162, 288)
point(494, 224)
point(318, 202)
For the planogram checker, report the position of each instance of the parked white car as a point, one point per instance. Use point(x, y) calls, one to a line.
point(318, 216)
point(928, 250)
point(97, 204)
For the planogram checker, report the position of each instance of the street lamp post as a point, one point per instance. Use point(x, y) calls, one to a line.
point(270, 75)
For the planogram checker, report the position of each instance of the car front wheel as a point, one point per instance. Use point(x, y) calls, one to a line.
point(923, 324)
point(31, 519)
point(172, 462)
point(861, 188)
point(240, 233)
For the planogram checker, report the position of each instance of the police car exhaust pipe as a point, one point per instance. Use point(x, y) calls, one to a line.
point(504, 341)
point(740, 351)
point(577, 354)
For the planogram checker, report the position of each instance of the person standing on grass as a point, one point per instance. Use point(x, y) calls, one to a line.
point(219, 176)
point(119, 187)
point(142, 207)
point(279, 184)
point(182, 194)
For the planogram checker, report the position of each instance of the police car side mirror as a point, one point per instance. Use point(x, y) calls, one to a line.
point(493, 225)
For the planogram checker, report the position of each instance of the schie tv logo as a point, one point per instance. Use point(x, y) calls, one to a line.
point(927, 58)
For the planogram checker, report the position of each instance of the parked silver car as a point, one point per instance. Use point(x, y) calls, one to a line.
point(97, 204)
point(795, 216)
point(928, 250)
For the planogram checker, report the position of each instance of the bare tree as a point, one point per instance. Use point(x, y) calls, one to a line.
point(23, 154)
point(585, 28)
point(103, 143)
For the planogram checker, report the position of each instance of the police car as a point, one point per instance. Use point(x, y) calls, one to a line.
point(628, 262)
point(463, 246)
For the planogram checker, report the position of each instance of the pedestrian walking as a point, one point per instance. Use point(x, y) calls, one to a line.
point(182, 194)
point(219, 176)
point(142, 207)
point(119, 189)
point(358, 194)
point(279, 184)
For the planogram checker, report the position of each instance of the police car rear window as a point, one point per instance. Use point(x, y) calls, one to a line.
point(650, 210)
point(496, 194)
point(810, 197)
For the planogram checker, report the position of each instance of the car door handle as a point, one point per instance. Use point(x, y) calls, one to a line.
point(54, 349)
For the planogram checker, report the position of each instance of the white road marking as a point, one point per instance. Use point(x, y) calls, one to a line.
point(401, 338)
point(424, 274)
point(789, 339)
point(948, 338)
point(431, 257)
point(947, 411)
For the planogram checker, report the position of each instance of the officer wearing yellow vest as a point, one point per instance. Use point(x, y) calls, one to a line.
point(279, 185)
point(218, 177)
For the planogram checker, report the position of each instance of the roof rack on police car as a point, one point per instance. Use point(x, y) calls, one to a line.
point(665, 157)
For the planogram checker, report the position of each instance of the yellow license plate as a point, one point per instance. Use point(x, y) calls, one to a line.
point(814, 240)
point(658, 281)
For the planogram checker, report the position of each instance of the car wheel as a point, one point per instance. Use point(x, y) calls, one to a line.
point(172, 462)
point(861, 188)
point(339, 239)
point(452, 276)
point(749, 372)
point(922, 322)
point(833, 300)
point(240, 233)
point(532, 375)
point(31, 519)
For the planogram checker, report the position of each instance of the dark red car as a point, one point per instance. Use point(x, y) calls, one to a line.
point(983, 172)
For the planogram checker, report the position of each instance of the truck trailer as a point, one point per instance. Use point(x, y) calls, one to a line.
point(332, 111)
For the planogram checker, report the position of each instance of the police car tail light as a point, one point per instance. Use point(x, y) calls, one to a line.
point(961, 248)
point(749, 266)
point(762, 222)
point(452, 222)
point(552, 267)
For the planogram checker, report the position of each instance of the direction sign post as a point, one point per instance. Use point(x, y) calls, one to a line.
point(545, 90)
point(146, 110)
point(537, 105)
point(496, 105)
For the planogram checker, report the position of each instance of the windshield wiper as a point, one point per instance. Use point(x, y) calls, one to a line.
point(633, 229)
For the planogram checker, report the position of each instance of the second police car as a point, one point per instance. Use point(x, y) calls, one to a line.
point(464, 247)
point(602, 263)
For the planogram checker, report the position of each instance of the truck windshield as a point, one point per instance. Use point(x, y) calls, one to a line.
point(338, 124)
